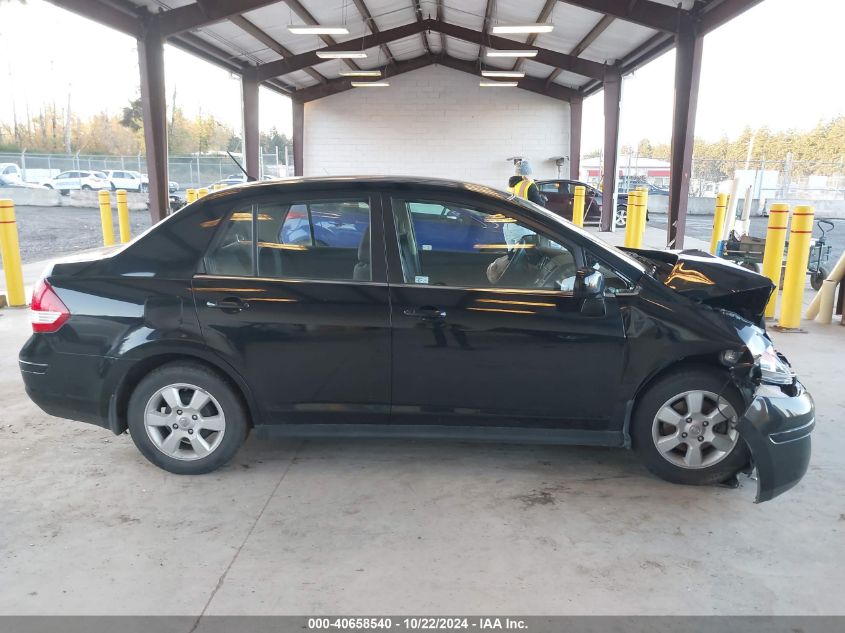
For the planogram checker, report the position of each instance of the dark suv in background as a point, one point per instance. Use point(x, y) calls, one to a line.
point(560, 194)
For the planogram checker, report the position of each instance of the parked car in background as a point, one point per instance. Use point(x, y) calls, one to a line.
point(10, 174)
point(128, 180)
point(172, 186)
point(537, 332)
point(228, 181)
point(628, 184)
point(78, 180)
point(560, 195)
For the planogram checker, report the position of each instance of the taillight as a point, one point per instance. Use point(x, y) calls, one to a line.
point(47, 312)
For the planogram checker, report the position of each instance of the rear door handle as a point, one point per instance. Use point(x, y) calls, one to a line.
point(230, 304)
point(426, 312)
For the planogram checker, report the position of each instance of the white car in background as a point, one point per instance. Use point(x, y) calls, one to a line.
point(10, 174)
point(128, 180)
point(68, 181)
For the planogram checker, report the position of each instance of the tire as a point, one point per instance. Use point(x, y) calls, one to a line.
point(817, 278)
point(65, 192)
point(201, 446)
point(48, 187)
point(621, 217)
point(113, 187)
point(677, 465)
point(142, 189)
point(86, 188)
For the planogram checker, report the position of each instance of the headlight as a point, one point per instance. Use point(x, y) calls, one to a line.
point(773, 370)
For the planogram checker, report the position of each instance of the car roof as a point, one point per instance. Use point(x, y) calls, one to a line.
point(369, 182)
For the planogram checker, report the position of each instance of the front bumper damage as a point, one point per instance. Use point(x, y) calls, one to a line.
point(777, 427)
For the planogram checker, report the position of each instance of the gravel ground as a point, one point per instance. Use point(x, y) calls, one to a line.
point(45, 232)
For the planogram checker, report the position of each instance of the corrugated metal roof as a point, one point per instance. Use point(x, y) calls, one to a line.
point(617, 42)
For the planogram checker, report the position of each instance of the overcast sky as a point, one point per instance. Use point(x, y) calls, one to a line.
point(777, 65)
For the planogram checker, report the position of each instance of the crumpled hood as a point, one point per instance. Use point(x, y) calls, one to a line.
point(711, 280)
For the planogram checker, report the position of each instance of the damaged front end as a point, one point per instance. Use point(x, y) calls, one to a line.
point(779, 415)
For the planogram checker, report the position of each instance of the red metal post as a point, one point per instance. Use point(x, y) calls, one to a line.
point(252, 143)
point(298, 137)
point(612, 100)
point(688, 47)
point(575, 117)
point(151, 66)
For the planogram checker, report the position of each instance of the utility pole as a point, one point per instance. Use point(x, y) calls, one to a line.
point(68, 122)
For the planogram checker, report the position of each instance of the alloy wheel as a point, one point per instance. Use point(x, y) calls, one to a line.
point(695, 429)
point(184, 421)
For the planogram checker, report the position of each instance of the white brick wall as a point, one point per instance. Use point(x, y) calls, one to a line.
point(435, 122)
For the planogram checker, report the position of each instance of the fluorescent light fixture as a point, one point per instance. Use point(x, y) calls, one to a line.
point(503, 73)
point(528, 52)
point(316, 29)
point(522, 28)
point(370, 84)
point(360, 73)
point(341, 54)
point(498, 84)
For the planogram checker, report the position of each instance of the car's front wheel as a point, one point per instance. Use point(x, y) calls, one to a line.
point(621, 218)
point(684, 428)
point(186, 419)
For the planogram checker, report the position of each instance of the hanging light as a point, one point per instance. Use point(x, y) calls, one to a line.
point(503, 73)
point(522, 28)
point(316, 29)
point(360, 73)
point(370, 84)
point(341, 54)
point(526, 52)
point(498, 84)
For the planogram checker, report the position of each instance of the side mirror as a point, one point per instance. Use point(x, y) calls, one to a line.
point(589, 283)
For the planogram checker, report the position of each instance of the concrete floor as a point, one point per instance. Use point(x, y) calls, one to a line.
point(388, 527)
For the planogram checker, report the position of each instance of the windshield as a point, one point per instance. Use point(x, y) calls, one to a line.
point(536, 208)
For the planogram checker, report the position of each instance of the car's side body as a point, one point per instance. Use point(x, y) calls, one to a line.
point(74, 180)
point(128, 180)
point(323, 356)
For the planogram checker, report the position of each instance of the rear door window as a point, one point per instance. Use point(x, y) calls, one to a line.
point(313, 239)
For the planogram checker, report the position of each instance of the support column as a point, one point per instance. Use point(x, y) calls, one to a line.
point(298, 137)
point(688, 47)
point(154, 107)
point(252, 141)
point(575, 117)
point(612, 101)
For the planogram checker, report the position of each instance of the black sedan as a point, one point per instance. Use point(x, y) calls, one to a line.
point(459, 312)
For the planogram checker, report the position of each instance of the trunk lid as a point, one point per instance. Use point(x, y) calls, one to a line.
point(711, 280)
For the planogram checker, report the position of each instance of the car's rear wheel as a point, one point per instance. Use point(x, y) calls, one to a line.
point(684, 428)
point(86, 188)
point(186, 419)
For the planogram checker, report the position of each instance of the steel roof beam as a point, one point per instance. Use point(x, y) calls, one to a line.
point(270, 42)
point(420, 20)
point(544, 15)
point(192, 16)
point(442, 19)
point(581, 46)
point(643, 12)
point(371, 24)
point(105, 14)
point(305, 15)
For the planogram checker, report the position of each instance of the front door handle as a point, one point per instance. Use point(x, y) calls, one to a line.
point(426, 312)
point(232, 304)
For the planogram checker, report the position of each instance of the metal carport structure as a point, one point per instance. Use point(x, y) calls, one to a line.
point(595, 42)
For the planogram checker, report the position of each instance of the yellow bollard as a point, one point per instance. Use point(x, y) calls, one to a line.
point(632, 222)
point(123, 216)
point(642, 199)
point(578, 206)
point(718, 222)
point(202, 192)
point(190, 195)
point(10, 251)
point(796, 267)
point(105, 218)
point(773, 255)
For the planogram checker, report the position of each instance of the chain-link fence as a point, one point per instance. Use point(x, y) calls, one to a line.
point(806, 180)
point(188, 171)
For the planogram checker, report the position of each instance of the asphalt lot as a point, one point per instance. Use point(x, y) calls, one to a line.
point(701, 226)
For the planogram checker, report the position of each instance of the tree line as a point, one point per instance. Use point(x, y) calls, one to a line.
point(819, 151)
point(52, 131)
